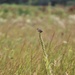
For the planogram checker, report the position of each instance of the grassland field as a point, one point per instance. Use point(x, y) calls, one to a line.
point(21, 49)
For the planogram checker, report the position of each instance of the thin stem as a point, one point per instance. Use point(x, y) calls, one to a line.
point(42, 43)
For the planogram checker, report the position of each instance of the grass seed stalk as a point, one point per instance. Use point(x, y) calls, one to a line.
point(45, 56)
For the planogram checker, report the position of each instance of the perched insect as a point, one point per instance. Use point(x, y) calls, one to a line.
point(39, 30)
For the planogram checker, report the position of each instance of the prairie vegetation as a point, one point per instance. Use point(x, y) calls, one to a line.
point(26, 51)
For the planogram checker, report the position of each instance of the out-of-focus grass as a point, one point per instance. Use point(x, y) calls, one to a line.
point(20, 48)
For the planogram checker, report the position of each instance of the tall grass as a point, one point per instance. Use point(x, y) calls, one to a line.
point(20, 47)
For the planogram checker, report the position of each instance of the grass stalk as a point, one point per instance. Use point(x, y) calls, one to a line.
point(45, 56)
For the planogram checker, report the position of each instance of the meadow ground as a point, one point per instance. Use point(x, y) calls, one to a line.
point(22, 48)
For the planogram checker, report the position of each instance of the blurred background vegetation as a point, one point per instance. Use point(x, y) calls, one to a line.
point(38, 2)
